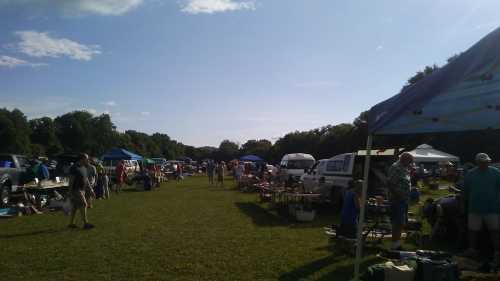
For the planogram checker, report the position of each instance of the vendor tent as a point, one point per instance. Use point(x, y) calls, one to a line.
point(427, 154)
point(120, 154)
point(461, 96)
point(251, 158)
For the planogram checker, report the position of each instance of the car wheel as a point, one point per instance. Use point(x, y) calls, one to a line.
point(4, 195)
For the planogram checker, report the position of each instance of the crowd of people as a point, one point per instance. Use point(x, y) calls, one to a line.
point(481, 190)
point(481, 203)
point(216, 171)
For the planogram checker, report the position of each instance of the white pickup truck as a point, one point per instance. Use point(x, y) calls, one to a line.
point(331, 177)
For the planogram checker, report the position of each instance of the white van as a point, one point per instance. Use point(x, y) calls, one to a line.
point(331, 177)
point(294, 165)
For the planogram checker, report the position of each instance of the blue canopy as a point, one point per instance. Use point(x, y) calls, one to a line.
point(120, 154)
point(251, 158)
point(463, 95)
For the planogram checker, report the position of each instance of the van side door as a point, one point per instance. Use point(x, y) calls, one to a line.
point(310, 179)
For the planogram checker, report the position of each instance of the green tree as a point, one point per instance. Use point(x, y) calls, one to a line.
point(421, 74)
point(14, 132)
point(228, 150)
point(260, 148)
point(74, 131)
point(43, 134)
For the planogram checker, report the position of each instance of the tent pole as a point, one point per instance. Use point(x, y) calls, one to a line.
point(359, 240)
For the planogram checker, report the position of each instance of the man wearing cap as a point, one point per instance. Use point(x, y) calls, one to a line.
point(482, 190)
point(399, 183)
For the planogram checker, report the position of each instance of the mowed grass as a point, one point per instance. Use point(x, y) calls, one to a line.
point(182, 231)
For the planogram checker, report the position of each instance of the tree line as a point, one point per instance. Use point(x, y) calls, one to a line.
point(81, 131)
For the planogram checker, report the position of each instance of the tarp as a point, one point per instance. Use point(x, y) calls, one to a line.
point(463, 95)
point(120, 154)
point(425, 153)
point(251, 158)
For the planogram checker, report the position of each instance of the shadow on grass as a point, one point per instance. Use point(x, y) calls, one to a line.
point(340, 273)
point(261, 216)
point(280, 216)
point(33, 233)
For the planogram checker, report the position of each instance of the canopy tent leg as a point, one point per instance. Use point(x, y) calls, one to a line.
point(359, 240)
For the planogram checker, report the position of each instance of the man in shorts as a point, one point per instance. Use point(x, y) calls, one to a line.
point(79, 182)
point(482, 190)
point(399, 183)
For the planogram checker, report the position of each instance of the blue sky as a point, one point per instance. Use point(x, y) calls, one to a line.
point(207, 70)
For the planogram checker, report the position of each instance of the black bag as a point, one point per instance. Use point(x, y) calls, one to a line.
point(436, 270)
point(374, 273)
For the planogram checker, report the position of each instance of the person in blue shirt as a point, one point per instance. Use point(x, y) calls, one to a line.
point(44, 170)
point(350, 209)
point(482, 191)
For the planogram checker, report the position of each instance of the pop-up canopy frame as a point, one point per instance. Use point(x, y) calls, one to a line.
point(464, 95)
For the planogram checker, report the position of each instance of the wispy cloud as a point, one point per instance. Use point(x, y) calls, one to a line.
point(11, 62)
point(145, 113)
point(109, 103)
point(215, 6)
point(379, 48)
point(41, 44)
point(78, 7)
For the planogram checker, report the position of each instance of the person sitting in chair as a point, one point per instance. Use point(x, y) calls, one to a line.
point(350, 210)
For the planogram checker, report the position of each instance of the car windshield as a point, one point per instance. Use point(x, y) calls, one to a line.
point(23, 162)
point(300, 164)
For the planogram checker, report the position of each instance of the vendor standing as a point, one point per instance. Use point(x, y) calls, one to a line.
point(482, 190)
point(399, 183)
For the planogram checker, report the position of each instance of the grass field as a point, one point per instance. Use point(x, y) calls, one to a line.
point(182, 231)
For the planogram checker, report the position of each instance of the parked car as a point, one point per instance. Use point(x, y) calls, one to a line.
point(294, 165)
point(160, 161)
point(131, 167)
point(14, 174)
point(331, 177)
point(12, 170)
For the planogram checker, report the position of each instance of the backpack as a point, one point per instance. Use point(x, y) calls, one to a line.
point(374, 273)
point(436, 270)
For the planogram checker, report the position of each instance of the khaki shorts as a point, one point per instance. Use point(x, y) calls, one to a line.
point(476, 221)
point(78, 199)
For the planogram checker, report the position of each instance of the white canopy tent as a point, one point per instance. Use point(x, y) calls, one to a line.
point(427, 154)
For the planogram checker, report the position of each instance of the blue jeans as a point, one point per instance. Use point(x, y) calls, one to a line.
point(399, 213)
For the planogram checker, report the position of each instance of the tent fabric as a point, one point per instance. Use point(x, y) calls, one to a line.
point(464, 95)
point(461, 96)
point(425, 154)
point(251, 158)
point(121, 154)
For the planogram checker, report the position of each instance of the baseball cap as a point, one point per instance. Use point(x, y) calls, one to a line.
point(483, 157)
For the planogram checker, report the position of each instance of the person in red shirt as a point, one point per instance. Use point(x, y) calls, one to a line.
point(120, 176)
